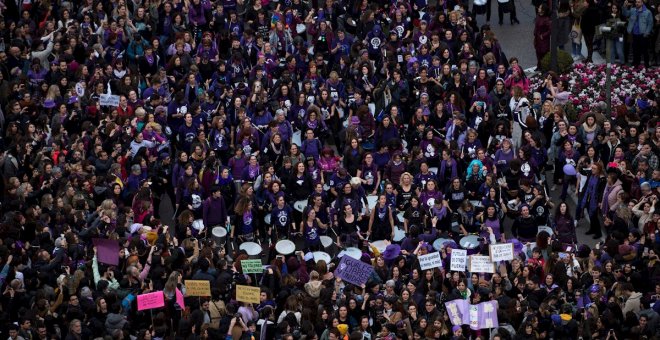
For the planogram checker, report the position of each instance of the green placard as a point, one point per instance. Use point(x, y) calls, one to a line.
point(252, 266)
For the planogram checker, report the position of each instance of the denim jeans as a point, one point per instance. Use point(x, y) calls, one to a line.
point(576, 49)
point(616, 50)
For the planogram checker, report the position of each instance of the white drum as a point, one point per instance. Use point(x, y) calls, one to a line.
point(219, 235)
point(353, 252)
point(399, 234)
point(300, 205)
point(285, 247)
point(399, 216)
point(380, 245)
point(198, 225)
point(251, 248)
point(434, 170)
point(328, 245)
point(321, 255)
point(437, 244)
point(476, 203)
point(267, 219)
point(372, 199)
point(297, 138)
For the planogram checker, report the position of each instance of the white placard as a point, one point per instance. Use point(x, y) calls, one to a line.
point(501, 252)
point(109, 100)
point(430, 261)
point(481, 264)
point(458, 260)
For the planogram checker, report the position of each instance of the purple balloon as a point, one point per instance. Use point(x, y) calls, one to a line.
point(569, 170)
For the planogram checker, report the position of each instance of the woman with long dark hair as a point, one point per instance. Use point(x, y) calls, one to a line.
point(564, 225)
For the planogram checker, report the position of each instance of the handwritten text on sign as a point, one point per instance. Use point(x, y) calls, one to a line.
point(481, 264)
point(150, 300)
point(109, 100)
point(252, 266)
point(353, 271)
point(247, 294)
point(198, 288)
point(458, 260)
point(430, 261)
point(501, 252)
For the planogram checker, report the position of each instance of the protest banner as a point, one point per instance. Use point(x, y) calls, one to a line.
point(353, 271)
point(430, 261)
point(108, 100)
point(248, 294)
point(252, 267)
point(150, 300)
point(481, 264)
point(179, 299)
point(198, 288)
point(479, 316)
point(458, 260)
point(501, 252)
point(107, 251)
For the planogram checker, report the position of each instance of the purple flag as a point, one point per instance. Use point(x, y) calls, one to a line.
point(457, 310)
point(480, 316)
point(487, 315)
point(107, 251)
point(353, 271)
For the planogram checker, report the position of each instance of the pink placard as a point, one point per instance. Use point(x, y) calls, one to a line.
point(150, 300)
point(179, 299)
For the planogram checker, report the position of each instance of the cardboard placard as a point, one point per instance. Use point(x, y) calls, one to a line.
point(458, 260)
point(150, 300)
point(248, 294)
point(353, 271)
point(430, 261)
point(501, 252)
point(252, 266)
point(179, 299)
point(198, 288)
point(109, 100)
point(107, 251)
point(481, 264)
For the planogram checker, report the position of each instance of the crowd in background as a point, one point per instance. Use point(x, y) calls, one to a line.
point(154, 123)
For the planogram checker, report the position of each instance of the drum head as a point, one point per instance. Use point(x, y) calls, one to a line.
point(285, 247)
point(300, 205)
point(267, 219)
point(326, 241)
point(198, 224)
point(321, 255)
point(352, 252)
point(469, 242)
point(372, 201)
point(251, 248)
point(219, 232)
point(380, 245)
point(437, 244)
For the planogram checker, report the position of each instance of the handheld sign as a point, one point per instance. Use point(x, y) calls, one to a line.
point(252, 266)
point(150, 300)
point(479, 316)
point(353, 271)
point(247, 294)
point(501, 252)
point(198, 288)
point(107, 251)
point(430, 261)
point(179, 299)
point(481, 264)
point(109, 100)
point(458, 260)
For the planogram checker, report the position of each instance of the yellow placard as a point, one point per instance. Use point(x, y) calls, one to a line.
point(247, 294)
point(198, 288)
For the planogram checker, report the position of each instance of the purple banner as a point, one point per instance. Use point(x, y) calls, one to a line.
point(107, 251)
point(353, 271)
point(480, 316)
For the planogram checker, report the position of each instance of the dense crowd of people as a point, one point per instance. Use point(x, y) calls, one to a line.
point(189, 133)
